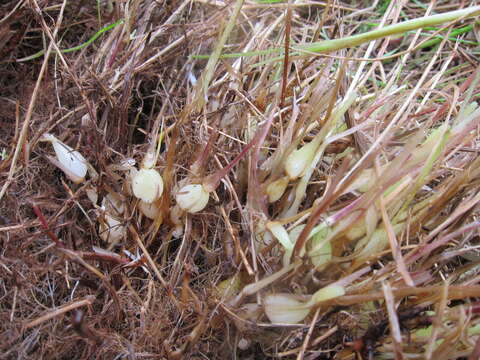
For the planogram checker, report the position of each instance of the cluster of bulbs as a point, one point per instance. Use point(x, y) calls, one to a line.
point(146, 185)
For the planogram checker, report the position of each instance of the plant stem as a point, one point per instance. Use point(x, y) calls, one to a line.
point(354, 40)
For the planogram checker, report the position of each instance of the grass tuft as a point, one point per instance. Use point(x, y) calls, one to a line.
point(331, 150)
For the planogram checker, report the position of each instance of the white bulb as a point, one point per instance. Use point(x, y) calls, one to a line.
point(70, 161)
point(329, 292)
point(285, 309)
point(192, 198)
point(151, 210)
point(276, 189)
point(147, 185)
point(114, 203)
point(298, 160)
point(111, 229)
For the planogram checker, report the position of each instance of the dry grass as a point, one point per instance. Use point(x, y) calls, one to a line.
point(392, 184)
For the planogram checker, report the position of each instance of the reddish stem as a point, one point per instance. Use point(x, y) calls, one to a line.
point(45, 226)
point(90, 255)
point(211, 182)
point(86, 254)
point(198, 167)
point(253, 182)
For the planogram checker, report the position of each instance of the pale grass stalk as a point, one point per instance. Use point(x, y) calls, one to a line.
point(441, 138)
point(253, 250)
point(371, 46)
point(399, 67)
point(74, 256)
point(357, 12)
point(178, 11)
point(363, 126)
point(147, 255)
point(393, 319)
point(86, 301)
point(153, 59)
point(237, 242)
point(306, 341)
point(178, 263)
point(14, 303)
point(464, 206)
point(318, 340)
point(257, 286)
point(428, 248)
point(394, 246)
point(256, 40)
point(432, 84)
point(437, 322)
point(297, 4)
point(202, 87)
point(19, 227)
point(16, 7)
point(454, 292)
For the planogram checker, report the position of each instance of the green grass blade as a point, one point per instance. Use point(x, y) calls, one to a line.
point(354, 40)
point(78, 47)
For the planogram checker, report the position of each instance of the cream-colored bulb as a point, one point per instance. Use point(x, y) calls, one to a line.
point(150, 210)
point(285, 309)
point(147, 185)
point(276, 189)
point(192, 198)
point(111, 229)
point(298, 160)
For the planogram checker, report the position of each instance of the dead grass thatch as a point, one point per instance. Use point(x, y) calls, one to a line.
point(342, 180)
